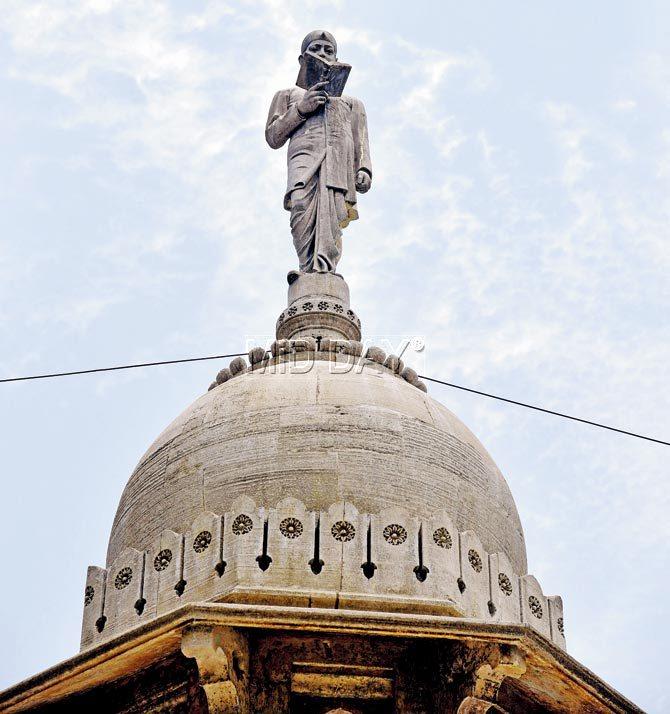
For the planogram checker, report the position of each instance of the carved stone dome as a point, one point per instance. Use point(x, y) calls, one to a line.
point(317, 478)
point(322, 435)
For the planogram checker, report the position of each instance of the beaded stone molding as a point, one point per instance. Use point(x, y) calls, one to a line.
point(389, 561)
point(325, 348)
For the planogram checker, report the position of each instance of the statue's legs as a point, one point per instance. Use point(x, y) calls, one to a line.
point(316, 215)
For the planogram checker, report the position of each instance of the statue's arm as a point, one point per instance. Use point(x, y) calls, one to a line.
point(362, 160)
point(282, 120)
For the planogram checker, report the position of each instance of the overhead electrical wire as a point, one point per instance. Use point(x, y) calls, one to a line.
point(429, 379)
point(545, 411)
point(123, 366)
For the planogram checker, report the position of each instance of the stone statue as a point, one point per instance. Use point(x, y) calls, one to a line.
point(328, 160)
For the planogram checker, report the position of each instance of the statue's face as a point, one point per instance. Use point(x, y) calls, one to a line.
point(323, 49)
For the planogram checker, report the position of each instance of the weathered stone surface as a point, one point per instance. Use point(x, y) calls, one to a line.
point(410, 375)
point(339, 346)
point(318, 306)
point(202, 548)
point(166, 569)
point(326, 285)
point(534, 606)
point(504, 588)
point(125, 589)
point(283, 659)
point(222, 657)
point(556, 621)
point(289, 555)
point(320, 435)
point(257, 354)
point(475, 594)
point(306, 344)
point(472, 705)
point(376, 354)
point(237, 366)
point(223, 376)
point(94, 606)
point(281, 347)
point(394, 363)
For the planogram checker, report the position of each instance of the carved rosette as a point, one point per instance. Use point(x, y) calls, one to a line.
point(325, 316)
point(291, 549)
point(318, 305)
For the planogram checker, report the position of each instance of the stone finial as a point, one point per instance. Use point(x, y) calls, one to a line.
point(376, 354)
point(394, 363)
point(223, 376)
point(257, 354)
point(280, 347)
point(237, 366)
point(305, 344)
point(409, 375)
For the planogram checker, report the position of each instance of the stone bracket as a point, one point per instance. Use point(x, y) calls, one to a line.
point(488, 679)
point(222, 657)
point(472, 705)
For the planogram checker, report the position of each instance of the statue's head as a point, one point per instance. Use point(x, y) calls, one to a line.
point(320, 43)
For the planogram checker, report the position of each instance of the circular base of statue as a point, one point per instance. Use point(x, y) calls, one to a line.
point(318, 306)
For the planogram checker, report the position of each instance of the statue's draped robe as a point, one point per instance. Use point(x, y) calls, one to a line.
point(325, 152)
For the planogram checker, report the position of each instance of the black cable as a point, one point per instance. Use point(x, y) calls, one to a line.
point(546, 411)
point(123, 366)
point(429, 379)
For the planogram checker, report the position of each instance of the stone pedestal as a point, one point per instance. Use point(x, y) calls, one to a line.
point(318, 306)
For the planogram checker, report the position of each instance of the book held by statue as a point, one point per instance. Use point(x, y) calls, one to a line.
point(314, 69)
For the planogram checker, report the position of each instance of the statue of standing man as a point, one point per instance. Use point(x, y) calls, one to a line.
point(328, 159)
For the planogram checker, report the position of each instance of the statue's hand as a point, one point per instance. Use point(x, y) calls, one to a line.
point(363, 181)
point(314, 98)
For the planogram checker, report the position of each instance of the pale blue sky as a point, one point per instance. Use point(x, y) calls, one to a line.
point(518, 220)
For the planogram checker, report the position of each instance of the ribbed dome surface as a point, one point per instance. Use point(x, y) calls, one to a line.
point(367, 437)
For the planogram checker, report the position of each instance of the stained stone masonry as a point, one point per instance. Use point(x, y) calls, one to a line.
point(388, 561)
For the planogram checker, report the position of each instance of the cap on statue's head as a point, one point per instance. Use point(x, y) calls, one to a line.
point(317, 35)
